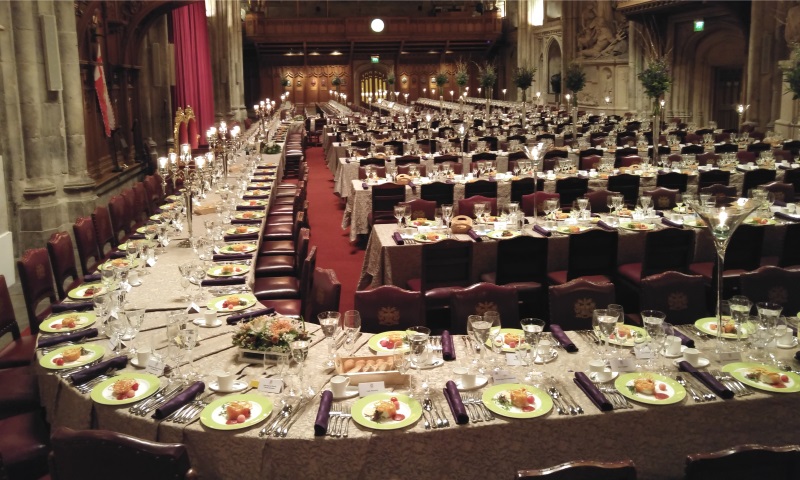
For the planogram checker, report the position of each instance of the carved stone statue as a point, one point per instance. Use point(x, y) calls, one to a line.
point(600, 33)
point(792, 31)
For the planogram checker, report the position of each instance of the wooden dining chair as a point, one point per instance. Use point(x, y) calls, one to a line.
point(668, 249)
point(790, 255)
point(384, 198)
point(592, 255)
point(525, 186)
point(36, 279)
point(86, 244)
point(522, 264)
point(284, 265)
point(571, 188)
point(745, 462)
point(662, 198)
point(467, 206)
point(627, 185)
point(742, 255)
point(583, 470)
point(407, 160)
point(682, 297)
point(389, 307)
point(439, 192)
point(754, 178)
point(673, 181)
point(421, 208)
point(783, 192)
point(706, 178)
point(120, 225)
point(103, 230)
point(445, 266)
point(62, 260)
point(480, 298)
point(287, 287)
point(572, 304)
point(106, 454)
point(484, 188)
point(20, 350)
point(536, 201)
point(773, 284)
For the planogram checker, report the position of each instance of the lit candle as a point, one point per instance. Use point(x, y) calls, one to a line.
point(162, 163)
point(173, 157)
point(200, 162)
point(185, 148)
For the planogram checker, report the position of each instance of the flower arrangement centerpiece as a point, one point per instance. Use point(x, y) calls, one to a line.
point(462, 75)
point(268, 338)
point(337, 80)
point(487, 76)
point(656, 81)
point(575, 80)
point(270, 148)
point(523, 79)
point(285, 82)
point(791, 73)
point(440, 79)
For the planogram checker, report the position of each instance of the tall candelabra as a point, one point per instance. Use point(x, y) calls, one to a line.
point(196, 176)
point(223, 143)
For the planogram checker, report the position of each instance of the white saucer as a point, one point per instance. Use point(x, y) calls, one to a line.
point(437, 362)
point(480, 381)
point(593, 377)
point(135, 362)
point(664, 352)
point(349, 392)
point(785, 345)
point(201, 322)
point(238, 386)
point(135, 284)
point(702, 362)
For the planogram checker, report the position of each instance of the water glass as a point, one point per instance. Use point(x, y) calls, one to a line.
point(329, 321)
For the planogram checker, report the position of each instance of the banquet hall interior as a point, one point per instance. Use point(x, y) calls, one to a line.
point(236, 210)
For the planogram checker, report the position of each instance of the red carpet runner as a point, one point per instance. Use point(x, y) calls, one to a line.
point(325, 210)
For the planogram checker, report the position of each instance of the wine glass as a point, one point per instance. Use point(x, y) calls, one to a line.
point(173, 356)
point(101, 303)
point(401, 364)
point(606, 324)
point(329, 321)
point(616, 310)
point(399, 212)
point(107, 277)
point(135, 317)
point(418, 342)
point(116, 328)
point(447, 214)
point(496, 338)
point(198, 274)
point(759, 336)
point(351, 325)
point(666, 331)
point(550, 207)
point(188, 336)
point(653, 324)
point(300, 353)
point(479, 209)
point(770, 314)
point(740, 307)
point(185, 270)
point(532, 328)
point(407, 215)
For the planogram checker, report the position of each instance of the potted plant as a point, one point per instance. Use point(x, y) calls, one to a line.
point(487, 76)
point(523, 79)
point(656, 81)
point(791, 73)
point(575, 80)
point(462, 75)
point(337, 80)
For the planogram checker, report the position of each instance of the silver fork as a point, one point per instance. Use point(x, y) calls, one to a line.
point(474, 416)
point(167, 397)
point(685, 385)
point(88, 386)
point(732, 383)
point(560, 407)
point(347, 416)
point(267, 430)
point(487, 414)
point(623, 402)
point(701, 388)
point(336, 412)
point(435, 421)
point(441, 411)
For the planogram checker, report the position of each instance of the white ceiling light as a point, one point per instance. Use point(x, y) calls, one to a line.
point(377, 25)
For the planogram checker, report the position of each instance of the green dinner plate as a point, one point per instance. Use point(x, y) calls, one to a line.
point(631, 340)
point(84, 320)
point(119, 263)
point(704, 325)
point(516, 331)
point(375, 342)
point(216, 303)
point(676, 392)
point(503, 234)
point(628, 226)
point(251, 215)
point(148, 384)
point(264, 185)
point(693, 224)
point(753, 221)
point(245, 230)
point(542, 402)
point(93, 352)
point(408, 406)
point(215, 415)
point(740, 370)
point(422, 222)
point(238, 269)
point(422, 238)
point(123, 247)
point(566, 230)
point(143, 229)
point(155, 217)
point(254, 203)
point(245, 248)
point(79, 293)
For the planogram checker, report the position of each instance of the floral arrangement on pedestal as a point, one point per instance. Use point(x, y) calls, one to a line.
point(462, 75)
point(523, 79)
point(269, 334)
point(791, 73)
point(487, 76)
point(285, 82)
point(337, 80)
point(575, 80)
point(656, 80)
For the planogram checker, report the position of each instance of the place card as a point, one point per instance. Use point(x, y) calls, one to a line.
point(270, 385)
point(503, 376)
point(729, 356)
point(643, 351)
point(512, 360)
point(368, 388)
point(192, 308)
point(155, 366)
point(112, 343)
point(622, 365)
point(151, 262)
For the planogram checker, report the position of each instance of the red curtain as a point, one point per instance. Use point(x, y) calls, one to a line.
point(193, 80)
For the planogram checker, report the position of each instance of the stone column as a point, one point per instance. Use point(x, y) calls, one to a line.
point(763, 79)
point(225, 37)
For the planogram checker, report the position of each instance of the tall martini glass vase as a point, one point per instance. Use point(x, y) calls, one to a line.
point(721, 219)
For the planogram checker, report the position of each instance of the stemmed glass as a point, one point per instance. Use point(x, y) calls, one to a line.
point(479, 209)
point(329, 321)
point(186, 270)
point(447, 214)
point(532, 328)
point(722, 221)
point(198, 273)
point(550, 207)
point(135, 317)
point(351, 325)
point(770, 314)
point(107, 277)
point(617, 201)
point(116, 328)
point(606, 324)
point(418, 342)
point(740, 307)
point(399, 212)
point(101, 304)
point(300, 353)
point(407, 215)
point(188, 335)
point(666, 331)
point(759, 336)
point(616, 310)
point(610, 203)
point(654, 326)
point(583, 205)
point(401, 364)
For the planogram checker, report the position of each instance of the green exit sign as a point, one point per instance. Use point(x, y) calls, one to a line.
point(699, 25)
point(375, 59)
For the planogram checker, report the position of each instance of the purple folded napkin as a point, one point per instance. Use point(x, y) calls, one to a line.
point(413, 187)
point(323, 414)
point(779, 203)
point(255, 197)
point(75, 306)
point(562, 338)
point(786, 216)
point(473, 235)
point(118, 254)
point(595, 395)
point(231, 256)
point(83, 376)
point(67, 337)
point(797, 355)
point(456, 405)
point(216, 282)
point(94, 277)
point(659, 213)
point(250, 207)
point(448, 349)
point(179, 400)
point(240, 236)
point(136, 236)
point(605, 226)
point(246, 221)
point(686, 341)
point(232, 319)
point(364, 185)
point(347, 160)
point(449, 181)
point(708, 380)
point(542, 231)
point(256, 187)
point(666, 221)
point(398, 239)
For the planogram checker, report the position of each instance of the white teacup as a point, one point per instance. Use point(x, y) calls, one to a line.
point(133, 278)
point(673, 346)
point(225, 379)
point(599, 370)
point(339, 385)
point(210, 317)
point(790, 207)
point(143, 356)
point(784, 335)
point(468, 379)
point(543, 349)
point(692, 355)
